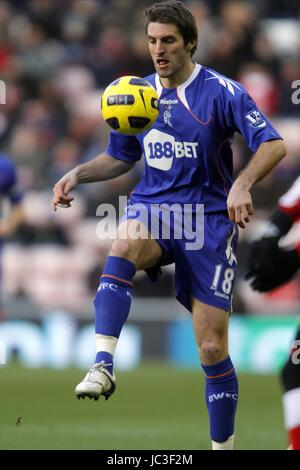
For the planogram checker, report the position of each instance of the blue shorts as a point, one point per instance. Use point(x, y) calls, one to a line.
point(204, 268)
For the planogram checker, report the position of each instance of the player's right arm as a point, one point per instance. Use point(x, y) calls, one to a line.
point(101, 168)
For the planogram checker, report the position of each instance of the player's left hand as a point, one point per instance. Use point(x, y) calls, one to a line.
point(239, 205)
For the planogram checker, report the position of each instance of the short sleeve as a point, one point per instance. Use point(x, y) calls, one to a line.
point(242, 115)
point(124, 147)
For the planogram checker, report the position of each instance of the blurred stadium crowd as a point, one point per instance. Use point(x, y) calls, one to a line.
point(55, 58)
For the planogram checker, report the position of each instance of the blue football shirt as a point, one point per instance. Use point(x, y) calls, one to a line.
point(188, 156)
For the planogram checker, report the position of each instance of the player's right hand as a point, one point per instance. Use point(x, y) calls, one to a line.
point(62, 189)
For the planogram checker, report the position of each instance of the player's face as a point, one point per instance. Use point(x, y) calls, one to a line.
point(170, 55)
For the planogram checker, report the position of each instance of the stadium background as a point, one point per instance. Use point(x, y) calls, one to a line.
point(55, 59)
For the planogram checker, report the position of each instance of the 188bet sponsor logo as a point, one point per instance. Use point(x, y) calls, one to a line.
point(161, 149)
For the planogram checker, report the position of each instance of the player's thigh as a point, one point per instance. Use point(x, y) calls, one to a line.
point(136, 244)
point(210, 325)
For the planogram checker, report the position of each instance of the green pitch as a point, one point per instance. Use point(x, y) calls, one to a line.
point(154, 407)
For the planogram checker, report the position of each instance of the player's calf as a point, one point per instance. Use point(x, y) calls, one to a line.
point(221, 400)
point(112, 304)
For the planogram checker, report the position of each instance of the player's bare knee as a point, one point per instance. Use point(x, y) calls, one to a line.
point(121, 248)
point(211, 352)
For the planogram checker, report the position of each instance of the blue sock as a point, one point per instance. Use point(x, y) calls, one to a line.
point(113, 300)
point(107, 358)
point(221, 398)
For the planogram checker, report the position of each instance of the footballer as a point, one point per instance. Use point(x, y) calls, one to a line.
point(188, 160)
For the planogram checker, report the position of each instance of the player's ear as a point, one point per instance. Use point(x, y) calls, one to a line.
point(190, 46)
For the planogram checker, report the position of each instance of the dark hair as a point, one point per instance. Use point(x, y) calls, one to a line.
point(174, 12)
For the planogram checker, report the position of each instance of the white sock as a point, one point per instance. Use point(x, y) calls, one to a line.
point(226, 445)
point(106, 343)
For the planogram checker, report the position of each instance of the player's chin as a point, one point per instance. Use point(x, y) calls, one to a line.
point(163, 73)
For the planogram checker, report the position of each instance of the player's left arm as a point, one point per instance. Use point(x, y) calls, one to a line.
point(10, 224)
point(239, 201)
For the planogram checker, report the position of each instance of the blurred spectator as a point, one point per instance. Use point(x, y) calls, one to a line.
point(234, 37)
point(261, 85)
point(65, 155)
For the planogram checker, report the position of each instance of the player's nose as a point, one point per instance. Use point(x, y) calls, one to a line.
point(159, 50)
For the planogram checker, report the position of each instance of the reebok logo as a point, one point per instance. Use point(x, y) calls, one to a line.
point(221, 294)
point(164, 101)
point(224, 81)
